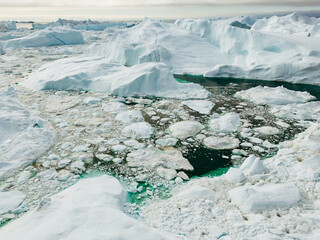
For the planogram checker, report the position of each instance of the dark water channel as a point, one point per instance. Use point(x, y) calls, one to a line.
point(216, 162)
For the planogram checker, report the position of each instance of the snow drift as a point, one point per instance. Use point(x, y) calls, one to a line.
point(45, 38)
point(90, 209)
point(23, 138)
point(98, 74)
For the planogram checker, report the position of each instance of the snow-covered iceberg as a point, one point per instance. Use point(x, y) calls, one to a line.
point(98, 74)
point(87, 25)
point(90, 209)
point(7, 26)
point(217, 48)
point(45, 38)
point(23, 138)
point(255, 54)
point(157, 41)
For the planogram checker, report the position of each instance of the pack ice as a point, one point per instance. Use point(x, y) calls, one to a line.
point(23, 138)
point(90, 209)
point(45, 38)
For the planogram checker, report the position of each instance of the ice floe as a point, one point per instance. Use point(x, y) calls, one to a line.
point(185, 129)
point(90, 209)
point(138, 130)
point(277, 95)
point(201, 106)
point(152, 158)
point(299, 111)
point(46, 38)
point(220, 143)
point(229, 122)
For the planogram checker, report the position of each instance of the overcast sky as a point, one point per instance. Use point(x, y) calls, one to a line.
point(51, 10)
point(20, 3)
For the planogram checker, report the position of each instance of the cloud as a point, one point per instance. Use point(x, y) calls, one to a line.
point(108, 3)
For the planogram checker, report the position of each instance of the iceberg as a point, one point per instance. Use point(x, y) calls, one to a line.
point(23, 138)
point(86, 25)
point(95, 73)
point(90, 209)
point(255, 54)
point(45, 38)
point(7, 26)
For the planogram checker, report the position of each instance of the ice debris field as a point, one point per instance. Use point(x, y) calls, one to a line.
point(195, 129)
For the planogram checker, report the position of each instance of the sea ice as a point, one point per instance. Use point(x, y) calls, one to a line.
point(185, 129)
point(90, 209)
point(299, 111)
point(46, 38)
point(229, 122)
point(138, 130)
point(151, 158)
point(274, 95)
point(267, 130)
point(221, 143)
point(201, 106)
point(253, 165)
point(266, 197)
point(130, 116)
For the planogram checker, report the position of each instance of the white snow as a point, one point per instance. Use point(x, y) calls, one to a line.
point(45, 38)
point(185, 129)
point(274, 95)
point(261, 198)
point(235, 175)
point(220, 143)
point(138, 130)
point(23, 137)
point(90, 209)
point(201, 106)
point(229, 122)
point(99, 74)
point(10, 200)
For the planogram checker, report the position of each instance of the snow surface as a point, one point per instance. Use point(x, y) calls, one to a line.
point(45, 38)
point(23, 137)
point(99, 74)
point(90, 209)
point(274, 95)
point(138, 130)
